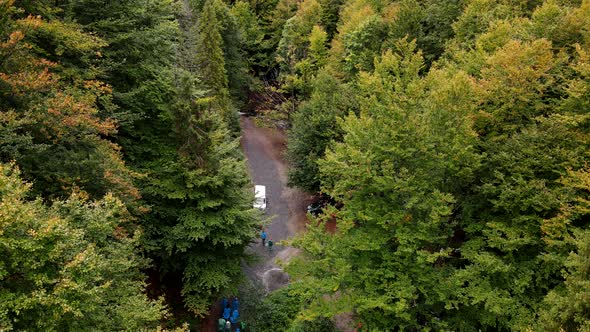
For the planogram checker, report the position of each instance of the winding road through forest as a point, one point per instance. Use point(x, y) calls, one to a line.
point(286, 207)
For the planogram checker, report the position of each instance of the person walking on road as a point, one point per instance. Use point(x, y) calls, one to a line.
point(270, 243)
point(263, 237)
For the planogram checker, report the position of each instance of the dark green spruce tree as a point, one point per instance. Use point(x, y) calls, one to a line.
point(171, 89)
point(201, 216)
point(210, 60)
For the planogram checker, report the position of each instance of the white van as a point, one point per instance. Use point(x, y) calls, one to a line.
point(260, 197)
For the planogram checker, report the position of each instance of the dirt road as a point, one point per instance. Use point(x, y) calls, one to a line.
point(286, 206)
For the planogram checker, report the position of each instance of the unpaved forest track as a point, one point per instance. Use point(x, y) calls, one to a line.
point(264, 150)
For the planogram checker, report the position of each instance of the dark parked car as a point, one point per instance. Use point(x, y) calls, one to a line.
point(318, 205)
point(315, 208)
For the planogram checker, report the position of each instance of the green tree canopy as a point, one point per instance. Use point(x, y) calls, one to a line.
point(72, 266)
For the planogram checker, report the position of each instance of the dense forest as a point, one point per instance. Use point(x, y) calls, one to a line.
point(453, 137)
point(118, 142)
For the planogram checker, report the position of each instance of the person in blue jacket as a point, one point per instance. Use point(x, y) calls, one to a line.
point(226, 312)
point(263, 237)
point(235, 304)
point(234, 316)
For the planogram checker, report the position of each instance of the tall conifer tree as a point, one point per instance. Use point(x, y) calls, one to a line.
point(210, 59)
